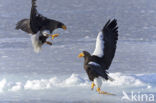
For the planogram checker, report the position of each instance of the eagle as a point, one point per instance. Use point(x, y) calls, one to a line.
point(40, 27)
point(97, 64)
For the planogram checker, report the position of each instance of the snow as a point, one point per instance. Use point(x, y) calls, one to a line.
point(16, 87)
point(74, 80)
point(2, 85)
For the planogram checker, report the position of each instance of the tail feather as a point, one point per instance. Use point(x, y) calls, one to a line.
point(36, 44)
point(107, 77)
point(110, 78)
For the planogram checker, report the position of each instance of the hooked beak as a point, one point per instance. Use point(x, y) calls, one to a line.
point(64, 27)
point(81, 55)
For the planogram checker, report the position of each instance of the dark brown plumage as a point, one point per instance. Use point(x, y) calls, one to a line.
point(38, 22)
point(93, 71)
point(39, 25)
point(96, 64)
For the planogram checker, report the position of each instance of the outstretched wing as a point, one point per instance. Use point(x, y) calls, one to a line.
point(106, 43)
point(24, 25)
point(36, 18)
point(39, 22)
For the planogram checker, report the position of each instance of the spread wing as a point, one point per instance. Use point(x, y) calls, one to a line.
point(106, 44)
point(24, 25)
point(39, 22)
point(36, 18)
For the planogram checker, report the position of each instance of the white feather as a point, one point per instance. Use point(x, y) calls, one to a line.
point(98, 82)
point(36, 43)
point(94, 63)
point(99, 45)
point(46, 33)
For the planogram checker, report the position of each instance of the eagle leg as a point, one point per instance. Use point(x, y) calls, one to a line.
point(49, 43)
point(92, 86)
point(54, 35)
point(102, 92)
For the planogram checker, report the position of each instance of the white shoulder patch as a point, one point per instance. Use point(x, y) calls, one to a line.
point(99, 45)
point(93, 63)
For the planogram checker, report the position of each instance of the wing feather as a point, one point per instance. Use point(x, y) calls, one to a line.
point(24, 25)
point(106, 44)
point(99, 45)
point(39, 22)
point(35, 18)
point(110, 32)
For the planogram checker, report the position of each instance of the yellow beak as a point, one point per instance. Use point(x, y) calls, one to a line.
point(64, 27)
point(81, 55)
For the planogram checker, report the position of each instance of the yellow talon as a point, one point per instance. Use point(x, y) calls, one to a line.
point(98, 90)
point(92, 86)
point(102, 92)
point(54, 35)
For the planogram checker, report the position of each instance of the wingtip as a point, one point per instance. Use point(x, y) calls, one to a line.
point(115, 20)
point(17, 26)
point(34, 3)
point(111, 24)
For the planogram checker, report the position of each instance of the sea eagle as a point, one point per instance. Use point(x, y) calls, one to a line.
point(97, 64)
point(39, 27)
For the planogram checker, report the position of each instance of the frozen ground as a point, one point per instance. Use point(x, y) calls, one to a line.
point(56, 75)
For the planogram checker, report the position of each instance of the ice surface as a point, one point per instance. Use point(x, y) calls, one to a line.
point(76, 80)
point(56, 75)
point(73, 86)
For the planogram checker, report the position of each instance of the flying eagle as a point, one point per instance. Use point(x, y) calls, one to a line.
point(40, 27)
point(97, 64)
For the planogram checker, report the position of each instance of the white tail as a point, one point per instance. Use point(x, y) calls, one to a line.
point(36, 44)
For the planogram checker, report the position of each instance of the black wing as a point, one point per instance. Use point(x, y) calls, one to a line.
point(35, 18)
point(106, 44)
point(38, 22)
point(110, 32)
point(24, 25)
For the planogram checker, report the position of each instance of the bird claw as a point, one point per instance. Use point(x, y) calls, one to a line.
point(105, 93)
point(54, 35)
point(92, 86)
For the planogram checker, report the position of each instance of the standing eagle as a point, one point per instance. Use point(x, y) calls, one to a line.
point(40, 27)
point(97, 64)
